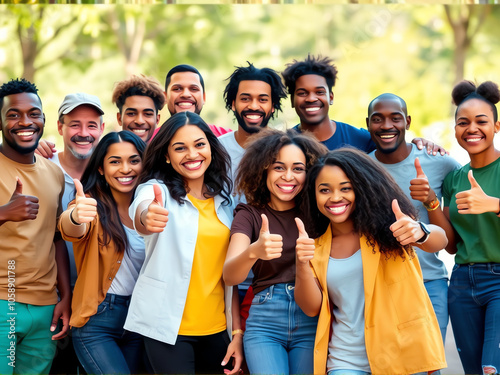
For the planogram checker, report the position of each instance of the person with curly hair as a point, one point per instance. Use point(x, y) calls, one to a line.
point(184, 209)
point(139, 100)
point(471, 205)
point(361, 275)
point(279, 337)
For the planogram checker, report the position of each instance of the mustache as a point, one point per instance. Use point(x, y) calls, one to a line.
point(77, 138)
point(249, 112)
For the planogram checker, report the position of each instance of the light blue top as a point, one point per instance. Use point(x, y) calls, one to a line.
point(347, 348)
point(435, 167)
point(158, 300)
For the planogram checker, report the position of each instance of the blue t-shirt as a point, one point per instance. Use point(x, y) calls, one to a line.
point(348, 135)
point(435, 168)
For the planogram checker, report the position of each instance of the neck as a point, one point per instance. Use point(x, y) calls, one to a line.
point(122, 201)
point(281, 205)
point(241, 137)
point(484, 158)
point(402, 152)
point(16, 156)
point(197, 188)
point(342, 229)
point(322, 131)
point(72, 165)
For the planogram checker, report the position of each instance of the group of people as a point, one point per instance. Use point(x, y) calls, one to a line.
point(190, 248)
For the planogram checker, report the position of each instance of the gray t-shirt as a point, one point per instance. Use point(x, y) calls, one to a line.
point(435, 167)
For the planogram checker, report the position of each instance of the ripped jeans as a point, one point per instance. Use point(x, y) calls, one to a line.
point(474, 307)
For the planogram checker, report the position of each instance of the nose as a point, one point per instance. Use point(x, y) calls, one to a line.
point(254, 105)
point(185, 92)
point(192, 153)
point(125, 168)
point(472, 127)
point(25, 120)
point(288, 175)
point(84, 131)
point(311, 97)
point(139, 119)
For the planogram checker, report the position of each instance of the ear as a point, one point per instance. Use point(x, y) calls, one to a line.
point(233, 107)
point(119, 119)
point(497, 127)
point(157, 119)
point(408, 122)
point(167, 158)
point(204, 97)
point(102, 128)
point(368, 123)
point(331, 97)
point(101, 172)
point(291, 99)
point(59, 127)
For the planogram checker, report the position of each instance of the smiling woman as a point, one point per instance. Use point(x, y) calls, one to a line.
point(108, 256)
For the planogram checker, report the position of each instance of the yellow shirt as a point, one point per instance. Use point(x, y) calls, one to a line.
point(204, 308)
point(402, 334)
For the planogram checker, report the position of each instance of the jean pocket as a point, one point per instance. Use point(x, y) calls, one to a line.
point(455, 267)
point(260, 299)
point(495, 269)
point(103, 307)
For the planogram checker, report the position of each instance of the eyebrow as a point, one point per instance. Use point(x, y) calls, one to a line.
point(296, 162)
point(247, 94)
point(182, 143)
point(136, 110)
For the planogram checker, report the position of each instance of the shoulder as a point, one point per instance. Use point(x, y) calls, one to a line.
point(51, 167)
point(352, 129)
point(443, 162)
point(219, 130)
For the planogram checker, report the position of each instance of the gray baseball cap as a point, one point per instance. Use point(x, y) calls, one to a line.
point(71, 101)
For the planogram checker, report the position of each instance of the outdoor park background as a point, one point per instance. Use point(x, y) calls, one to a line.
point(417, 51)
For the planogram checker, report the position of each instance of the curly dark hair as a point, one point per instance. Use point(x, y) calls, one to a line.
point(374, 189)
point(155, 167)
point(322, 66)
point(141, 86)
point(261, 152)
point(251, 73)
point(96, 186)
point(487, 92)
point(17, 86)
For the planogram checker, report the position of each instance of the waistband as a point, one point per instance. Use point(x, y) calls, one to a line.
point(117, 299)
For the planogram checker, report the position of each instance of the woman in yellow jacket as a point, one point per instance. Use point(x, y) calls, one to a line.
point(361, 276)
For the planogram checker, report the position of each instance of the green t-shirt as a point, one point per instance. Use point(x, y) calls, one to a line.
point(479, 240)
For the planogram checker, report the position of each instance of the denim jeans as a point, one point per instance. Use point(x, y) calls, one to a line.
point(438, 293)
point(279, 337)
point(348, 372)
point(474, 305)
point(103, 346)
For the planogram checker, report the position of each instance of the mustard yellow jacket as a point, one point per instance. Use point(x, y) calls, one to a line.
point(402, 334)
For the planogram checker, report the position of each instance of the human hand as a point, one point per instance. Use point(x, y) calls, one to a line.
point(85, 208)
point(432, 148)
point(62, 311)
point(304, 247)
point(20, 207)
point(405, 229)
point(268, 246)
point(155, 216)
point(475, 200)
point(235, 351)
point(420, 189)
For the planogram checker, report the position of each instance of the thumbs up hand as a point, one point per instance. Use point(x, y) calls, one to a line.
point(475, 200)
point(155, 217)
point(304, 247)
point(420, 189)
point(405, 229)
point(85, 208)
point(268, 246)
point(20, 207)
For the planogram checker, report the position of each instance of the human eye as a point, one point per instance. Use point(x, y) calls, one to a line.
point(136, 161)
point(461, 123)
point(201, 144)
point(299, 169)
point(36, 114)
point(13, 115)
point(195, 88)
point(324, 190)
point(179, 148)
point(321, 92)
point(301, 93)
point(264, 100)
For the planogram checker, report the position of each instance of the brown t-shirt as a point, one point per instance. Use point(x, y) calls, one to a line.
point(247, 220)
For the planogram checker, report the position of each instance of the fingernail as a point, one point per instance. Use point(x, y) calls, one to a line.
point(223, 363)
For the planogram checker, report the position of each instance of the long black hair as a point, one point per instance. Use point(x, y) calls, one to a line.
point(216, 176)
point(374, 189)
point(95, 185)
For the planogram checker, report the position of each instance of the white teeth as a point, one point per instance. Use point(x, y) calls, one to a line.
point(312, 109)
point(287, 188)
point(139, 131)
point(253, 117)
point(125, 179)
point(192, 165)
point(25, 134)
point(337, 210)
point(82, 143)
point(387, 136)
point(184, 104)
point(472, 139)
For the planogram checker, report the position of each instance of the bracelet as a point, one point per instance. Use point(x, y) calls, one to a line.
point(236, 331)
point(433, 205)
point(71, 218)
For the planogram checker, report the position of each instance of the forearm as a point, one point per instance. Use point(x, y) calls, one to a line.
point(307, 290)
point(235, 310)
point(439, 218)
point(435, 241)
point(236, 269)
point(140, 217)
point(63, 273)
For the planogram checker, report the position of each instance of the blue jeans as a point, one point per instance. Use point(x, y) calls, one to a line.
point(348, 372)
point(103, 346)
point(438, 293)
point(474, 305)
point(279, 337)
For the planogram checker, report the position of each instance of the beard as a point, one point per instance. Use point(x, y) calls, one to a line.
point(22, 149)
point(78, 155)
point(251, 129)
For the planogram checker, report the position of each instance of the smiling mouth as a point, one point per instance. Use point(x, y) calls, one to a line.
point(194, 165)
point(139, 132)
point(337, 210)
point(312, 109)
point(82, 143)
point(286, 188)
point(185, 104)
point(125, 180)
point(25, 133)
point(471, 140)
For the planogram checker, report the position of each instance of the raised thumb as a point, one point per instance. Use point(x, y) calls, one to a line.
point(78, 188)
point(420, 171)
point(264, 228)
point(301, 228)
point(158, 195)
point(472, 180)
point(19, 187)
point(397, 211)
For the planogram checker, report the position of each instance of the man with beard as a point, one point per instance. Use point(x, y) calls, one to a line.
point(33, 257)
point(387, 122)
point(253, 95)
point(310, 84)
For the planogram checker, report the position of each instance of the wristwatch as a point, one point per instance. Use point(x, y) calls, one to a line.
point(426, 230)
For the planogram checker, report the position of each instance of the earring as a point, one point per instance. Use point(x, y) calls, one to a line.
point(168, 161)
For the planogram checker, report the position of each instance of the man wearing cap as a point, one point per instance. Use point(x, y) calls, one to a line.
point(81, 125)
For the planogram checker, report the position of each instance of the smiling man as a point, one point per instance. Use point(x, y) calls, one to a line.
point(139, 100)
point(33, 257)
point(387, 122)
